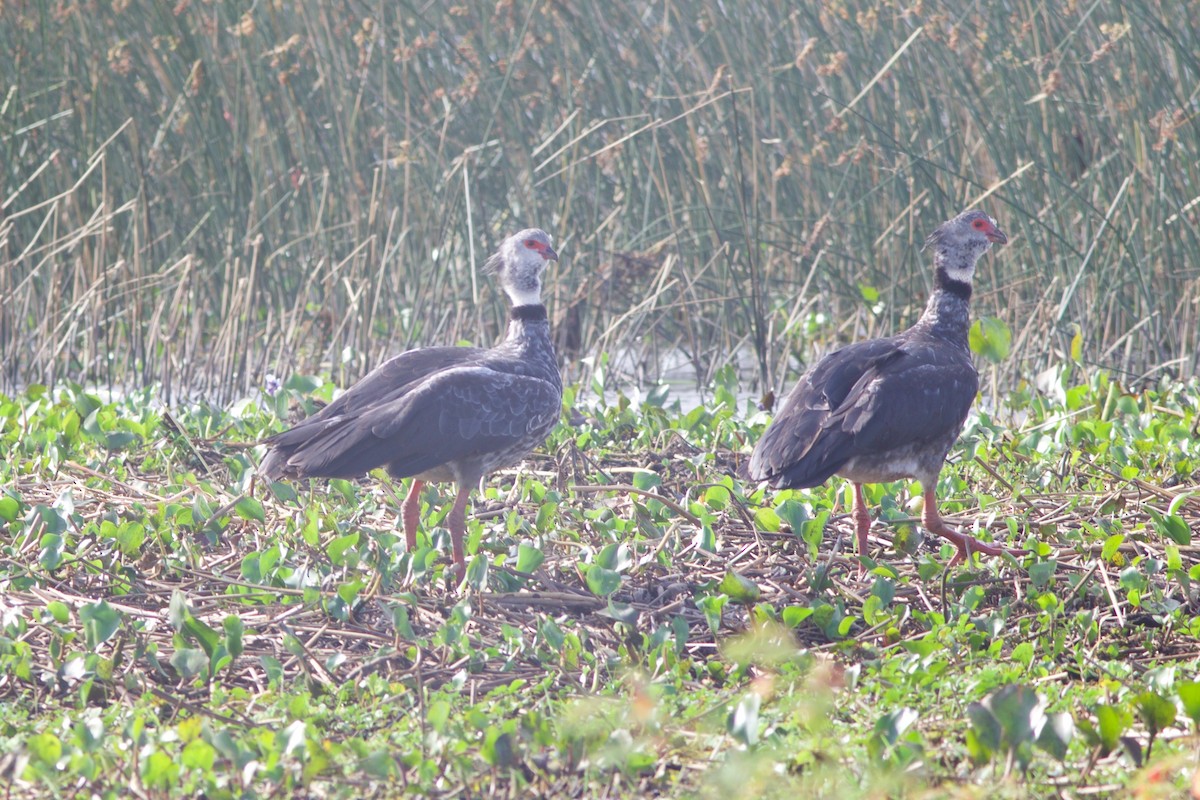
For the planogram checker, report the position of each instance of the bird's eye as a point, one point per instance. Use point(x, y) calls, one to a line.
point(979, 224)
point(532, 244)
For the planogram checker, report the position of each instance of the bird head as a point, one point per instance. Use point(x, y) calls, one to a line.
point(959, 242)
point(519, 263)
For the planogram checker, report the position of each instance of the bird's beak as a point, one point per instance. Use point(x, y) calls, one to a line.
point(996, 235)
point(549, 254)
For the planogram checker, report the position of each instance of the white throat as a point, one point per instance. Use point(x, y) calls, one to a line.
point(960, 275)
point(525, 297)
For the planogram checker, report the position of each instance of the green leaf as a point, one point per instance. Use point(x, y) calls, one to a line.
point(987, 731)
point(250, 509)
point(10, 508)
point(189, 661)
point(794, 615)
point(742, 722)
point(646, 480)
point(1111, 723)
point(45, 747)
point(198, 754)
point(50, 556)
point(206, 636)
point(601, 581)
point(615, 556)
point(338, 547)
point(739, 588)
point(477, 571)
point(100, 622)
point(1174, 527)
point(272, 668)
point(1111, 545)
point(1019, 710)
point(159, 770)
point(1156, 711)
point(766, 519)
point(1056, 734)
point(793, 513)
point(529, 558)
point(59, 611)
point(1189, 696)
point(438, 715)
point(1041, 573)
point(892, 725)
point(234, 628)
point(990, 338)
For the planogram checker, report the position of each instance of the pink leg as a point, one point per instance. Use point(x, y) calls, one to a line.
point(862, 520)
point(409, 512)
point(456, 521)
point(932, 521)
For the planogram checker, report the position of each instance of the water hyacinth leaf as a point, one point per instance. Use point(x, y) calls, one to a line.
point(498, 749)
point(438, 715)
point(100, 622)
point(294, 738)
point(601, 581)
point(10, 508)
point(59, 611)
point(1056, 734)
point(766, 519)
point(1189, 696)
point(1174, 527)
point(742, 722)
point(51, 554)
point(1041, 573)
point(615, 556)
point(1156, 711)
point(794, 615)
point(272, 667)
point(45, 747)
point(891, 726)
point(991, 338)
point(739, 588)
point(1019, 711)
point(477, 571)
point(793, 512)
point(249, 508)
point(529, 558)
point(712, 605)
point(198, 754)
point(812, 533)
point(189, 661)
point(234, 630)
point(1111, 545)
point(208, 638)
point(646, 480)
point(621, 612)
point(1111, 724)
point(338, 547)
point(985, 742)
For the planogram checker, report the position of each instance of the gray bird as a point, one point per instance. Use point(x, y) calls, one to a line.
point(887, 409)
point(443, 413)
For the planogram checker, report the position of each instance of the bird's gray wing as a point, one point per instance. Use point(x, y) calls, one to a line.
point(867, 398)
point(459, 413)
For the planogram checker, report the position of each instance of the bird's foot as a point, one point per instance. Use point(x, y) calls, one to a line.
point(969, 544)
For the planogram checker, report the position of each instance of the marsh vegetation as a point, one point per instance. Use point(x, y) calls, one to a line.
point(198, 196)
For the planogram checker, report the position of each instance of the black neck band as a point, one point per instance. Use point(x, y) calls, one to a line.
point(528, 313)
point(951, 286)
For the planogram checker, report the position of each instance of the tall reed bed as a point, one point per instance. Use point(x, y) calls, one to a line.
point(198, 195)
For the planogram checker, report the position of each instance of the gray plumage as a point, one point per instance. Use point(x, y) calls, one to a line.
point(443, 413)
point(886, 409)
